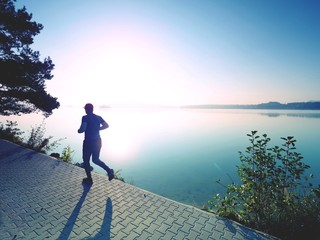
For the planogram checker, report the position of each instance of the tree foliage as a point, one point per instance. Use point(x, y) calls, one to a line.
point(22, 73)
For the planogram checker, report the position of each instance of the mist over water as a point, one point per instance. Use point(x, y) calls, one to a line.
point(180, 153)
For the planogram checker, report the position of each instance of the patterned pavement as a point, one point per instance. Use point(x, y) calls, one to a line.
point(44, 198)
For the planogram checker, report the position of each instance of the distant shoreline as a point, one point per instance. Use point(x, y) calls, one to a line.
point(270, 105)
point(311, 105)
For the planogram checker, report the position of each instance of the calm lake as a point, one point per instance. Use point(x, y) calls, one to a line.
point(180, 153)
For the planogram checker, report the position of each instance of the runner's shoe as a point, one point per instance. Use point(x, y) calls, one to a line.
point(111, 174)
point(87, 180)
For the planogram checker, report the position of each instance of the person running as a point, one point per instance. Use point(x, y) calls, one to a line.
point(91, 124)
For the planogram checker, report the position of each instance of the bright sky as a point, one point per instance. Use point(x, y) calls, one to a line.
point(176, 52)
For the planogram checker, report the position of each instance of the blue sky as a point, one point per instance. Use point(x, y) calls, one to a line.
point(170, 52)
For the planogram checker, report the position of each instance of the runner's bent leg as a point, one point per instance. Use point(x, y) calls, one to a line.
point(96, 154)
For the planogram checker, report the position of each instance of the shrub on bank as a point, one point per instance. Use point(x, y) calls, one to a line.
point(275, 195)
point(11, 132)
point(36, 140)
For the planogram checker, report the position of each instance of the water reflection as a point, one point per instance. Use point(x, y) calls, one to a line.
point(314, 114)
point(180, 153)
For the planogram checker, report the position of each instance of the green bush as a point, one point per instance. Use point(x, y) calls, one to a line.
point(67, 154)
point(10, 132)
point(275, 195)
point(117, 175)
point(37, 140)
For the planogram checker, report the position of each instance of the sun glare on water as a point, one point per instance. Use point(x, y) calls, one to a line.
point(120, 144)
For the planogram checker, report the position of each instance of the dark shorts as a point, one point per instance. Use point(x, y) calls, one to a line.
point(91, 148)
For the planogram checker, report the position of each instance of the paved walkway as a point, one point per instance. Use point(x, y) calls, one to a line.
point(43, 198)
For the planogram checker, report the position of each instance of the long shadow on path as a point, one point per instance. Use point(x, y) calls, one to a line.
point(73, 217)
point(104, 232)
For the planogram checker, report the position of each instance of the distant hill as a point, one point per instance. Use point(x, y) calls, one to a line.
point(314, 105)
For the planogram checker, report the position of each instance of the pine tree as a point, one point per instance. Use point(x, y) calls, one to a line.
point(22, 73)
